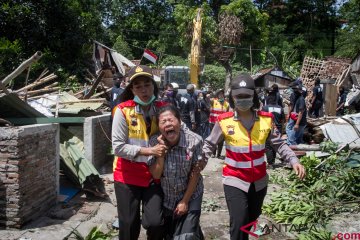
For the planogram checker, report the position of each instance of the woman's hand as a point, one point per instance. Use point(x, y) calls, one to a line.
point(159, 150)
point(296, 127)
point(299, 170)
point(181, 208)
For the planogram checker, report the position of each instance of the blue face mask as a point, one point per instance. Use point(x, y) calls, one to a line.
point(138, 101)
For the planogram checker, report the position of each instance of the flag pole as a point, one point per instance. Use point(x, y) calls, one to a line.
point(140, 59)
point(158, 61)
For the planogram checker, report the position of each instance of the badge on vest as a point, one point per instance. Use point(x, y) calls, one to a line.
point(230, 129)
point(133, 120)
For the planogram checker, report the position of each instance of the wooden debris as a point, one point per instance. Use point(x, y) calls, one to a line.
point(93, 87)
point(37, 83)
point(35, 92)
point(22, 67)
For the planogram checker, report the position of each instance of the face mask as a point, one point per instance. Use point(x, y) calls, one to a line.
point(221, 100)
point(138, 101)
point(244, 104)
point(169, 93)
point(200, 98)
point(117, 84)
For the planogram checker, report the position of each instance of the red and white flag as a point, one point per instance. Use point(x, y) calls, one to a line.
point(149, 55)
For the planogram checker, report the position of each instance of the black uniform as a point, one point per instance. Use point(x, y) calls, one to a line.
point(317, 104)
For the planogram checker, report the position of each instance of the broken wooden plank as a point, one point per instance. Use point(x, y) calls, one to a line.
point(43, 90)
point(93, 87)
point(37, 83)
point(22, 67)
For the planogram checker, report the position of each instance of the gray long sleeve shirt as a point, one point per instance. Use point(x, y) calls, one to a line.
point(120, 134)
point(274, 139)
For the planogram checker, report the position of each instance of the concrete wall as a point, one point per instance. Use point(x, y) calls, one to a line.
point(97, 139)
point(29, 172)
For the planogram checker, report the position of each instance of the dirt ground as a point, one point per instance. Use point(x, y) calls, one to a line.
point(80, 214)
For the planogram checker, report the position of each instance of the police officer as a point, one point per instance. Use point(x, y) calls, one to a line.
point(134, 123)
point(244, 175)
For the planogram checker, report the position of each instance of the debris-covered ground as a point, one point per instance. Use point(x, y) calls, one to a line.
point(80, 215)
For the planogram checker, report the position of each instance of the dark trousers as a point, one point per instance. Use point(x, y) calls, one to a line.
point(183, 227)
point(129, 198)
point(244, 208)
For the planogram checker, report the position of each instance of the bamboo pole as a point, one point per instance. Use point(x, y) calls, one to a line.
point(35, 84)
point(51, 85)
point(100, 93)
point(43, 90)
point(44, 72)
point(22, 67)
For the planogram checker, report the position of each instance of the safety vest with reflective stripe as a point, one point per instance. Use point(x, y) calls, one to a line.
point(135, 172)
point(216, 109)
point(245, 150)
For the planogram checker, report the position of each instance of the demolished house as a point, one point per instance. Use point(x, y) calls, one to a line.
point(332, 72)
point(47, 134)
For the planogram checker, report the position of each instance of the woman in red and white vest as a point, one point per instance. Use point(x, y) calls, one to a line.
point(245, 132)
point(134, 123)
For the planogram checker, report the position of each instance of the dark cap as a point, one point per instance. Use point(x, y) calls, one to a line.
point(140, 70)
point(295, 85)
point(242, 84)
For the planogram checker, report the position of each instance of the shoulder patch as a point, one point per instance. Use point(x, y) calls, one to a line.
point(225, 115)
point(265, 114)
point(128, 103)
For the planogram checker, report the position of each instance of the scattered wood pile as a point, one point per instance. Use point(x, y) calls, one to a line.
point(46, 84)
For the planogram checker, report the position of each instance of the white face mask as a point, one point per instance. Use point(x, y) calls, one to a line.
point(243, 104)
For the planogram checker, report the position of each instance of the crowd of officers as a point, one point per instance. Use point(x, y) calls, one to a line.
point(199, 109)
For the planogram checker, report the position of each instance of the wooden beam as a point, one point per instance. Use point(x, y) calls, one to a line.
point(41, 120)
point(92, 90)
point(22, 67)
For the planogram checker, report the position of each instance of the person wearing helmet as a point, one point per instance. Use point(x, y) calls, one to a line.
point(245, 131)
point(134, 123)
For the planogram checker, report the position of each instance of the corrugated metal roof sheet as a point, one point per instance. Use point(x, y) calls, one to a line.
point(72, 151)
point(75, 107)
point(340, 131)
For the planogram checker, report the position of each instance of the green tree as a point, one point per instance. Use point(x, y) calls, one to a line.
point(122, 47)
point(349, 36)
point(62, 29)
point(145, 24)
